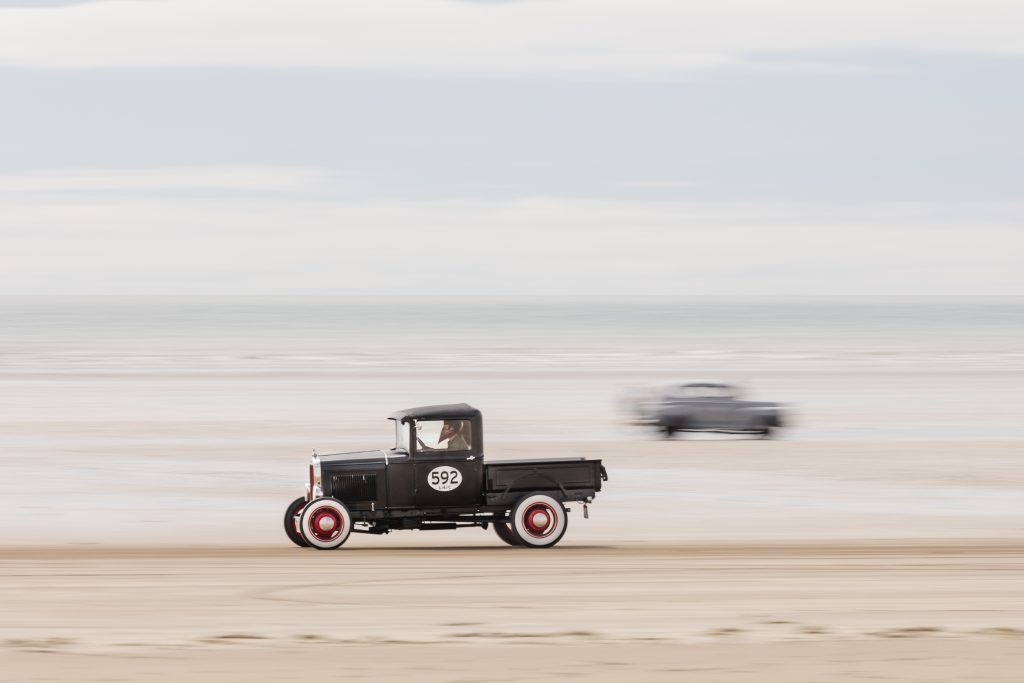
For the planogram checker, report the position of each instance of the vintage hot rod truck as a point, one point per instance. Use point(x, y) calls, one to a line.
point(436, 478)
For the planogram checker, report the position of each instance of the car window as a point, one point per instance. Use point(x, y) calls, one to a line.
point(700, 391)
point(706, 391)
point(444, 435)
point(685, 391)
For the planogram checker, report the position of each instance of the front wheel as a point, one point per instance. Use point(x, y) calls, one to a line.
point(291, 522)
point(539, 521)
point(325, 523)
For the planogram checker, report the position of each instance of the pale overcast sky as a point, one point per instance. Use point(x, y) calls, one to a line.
point(559, 147)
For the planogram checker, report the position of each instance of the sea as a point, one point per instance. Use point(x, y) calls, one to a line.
point(910, 367)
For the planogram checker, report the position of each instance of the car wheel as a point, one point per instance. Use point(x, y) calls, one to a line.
point(668, 432)
point(325, 523)
point(767, 432)
point(504, 532)
point(291, 522)
point(539, 521)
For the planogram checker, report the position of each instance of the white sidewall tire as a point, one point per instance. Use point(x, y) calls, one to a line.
point(325, 508)
point(550, 535)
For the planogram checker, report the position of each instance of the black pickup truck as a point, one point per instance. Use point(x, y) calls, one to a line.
point(436, 478)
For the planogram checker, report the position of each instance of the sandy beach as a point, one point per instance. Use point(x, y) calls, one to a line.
point(717, 559)
point(906, 611)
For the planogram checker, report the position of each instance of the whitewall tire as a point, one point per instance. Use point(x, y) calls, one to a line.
point(539, 521)
point(325, 523)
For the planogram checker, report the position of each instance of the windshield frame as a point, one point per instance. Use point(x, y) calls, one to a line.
point(402, 436)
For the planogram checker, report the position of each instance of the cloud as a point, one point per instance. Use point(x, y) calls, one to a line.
point(159, 243)
point(645, 38)
point(215, 178)
point(657, 184)
point(35, 4)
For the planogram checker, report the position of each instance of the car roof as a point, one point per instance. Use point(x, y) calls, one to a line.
point(457, 410)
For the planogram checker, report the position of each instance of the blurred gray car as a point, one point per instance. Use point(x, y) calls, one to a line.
point(707, 407)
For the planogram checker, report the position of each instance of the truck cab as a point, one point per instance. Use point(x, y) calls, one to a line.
point(438, 457)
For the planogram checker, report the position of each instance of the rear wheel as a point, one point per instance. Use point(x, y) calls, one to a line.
point(291, 522)
point(505, 533)
point(325, 523)
point(539, 521)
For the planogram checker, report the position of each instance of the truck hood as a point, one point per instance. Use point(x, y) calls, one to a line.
point(360, 457)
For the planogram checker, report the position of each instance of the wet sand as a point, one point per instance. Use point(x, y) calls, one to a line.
point(681, 491)
point(932, 610)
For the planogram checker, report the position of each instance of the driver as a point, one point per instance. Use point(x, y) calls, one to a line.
point(453, 431)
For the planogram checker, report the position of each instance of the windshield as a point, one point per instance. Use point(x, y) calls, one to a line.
point(401, 436)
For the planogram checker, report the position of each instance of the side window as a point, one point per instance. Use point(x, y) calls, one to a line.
point(444, 435)
point(677, 393)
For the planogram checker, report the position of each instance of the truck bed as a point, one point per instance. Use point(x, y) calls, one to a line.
point(505, 481)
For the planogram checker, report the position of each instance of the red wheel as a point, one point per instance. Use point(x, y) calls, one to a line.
point(325, 523)
point(539, 521)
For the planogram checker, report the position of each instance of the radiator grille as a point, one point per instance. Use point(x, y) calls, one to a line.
point(355, 487)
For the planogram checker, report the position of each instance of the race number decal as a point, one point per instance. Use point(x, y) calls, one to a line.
point(444, 478)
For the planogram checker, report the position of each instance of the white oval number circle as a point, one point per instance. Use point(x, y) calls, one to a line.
point(444, 478)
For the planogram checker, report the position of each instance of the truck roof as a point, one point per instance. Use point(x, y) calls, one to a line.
point(456, 410)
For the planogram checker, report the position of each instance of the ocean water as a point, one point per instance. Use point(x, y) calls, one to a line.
point(150, 371)
point(316, 334)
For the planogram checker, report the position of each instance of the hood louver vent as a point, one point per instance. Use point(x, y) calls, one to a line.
point(354, 488)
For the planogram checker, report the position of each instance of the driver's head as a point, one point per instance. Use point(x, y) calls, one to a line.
point(451, 428)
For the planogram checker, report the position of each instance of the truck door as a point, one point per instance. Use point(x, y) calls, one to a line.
point(444, 480)
point(710, 407)
point(702, 411)
point(447, 464)
point(717, 413)
point(723, 409)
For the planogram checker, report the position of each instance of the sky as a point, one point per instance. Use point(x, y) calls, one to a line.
point(516, 147)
